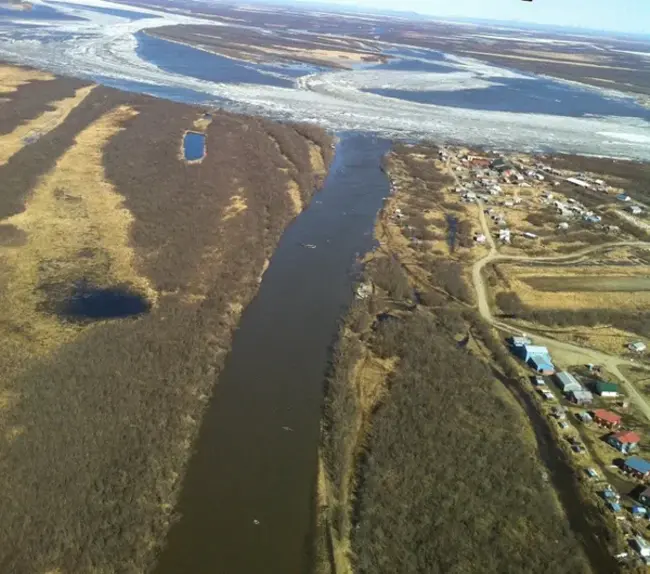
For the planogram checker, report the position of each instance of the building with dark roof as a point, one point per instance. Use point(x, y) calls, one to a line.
point(604, 389)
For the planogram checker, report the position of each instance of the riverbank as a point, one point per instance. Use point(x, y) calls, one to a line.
point(405, 430)
point(125, 273)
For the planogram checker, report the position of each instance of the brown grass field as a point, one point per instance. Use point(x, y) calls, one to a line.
point(98, 412)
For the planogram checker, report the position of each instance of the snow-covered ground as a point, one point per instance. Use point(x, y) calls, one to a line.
point(105, 46)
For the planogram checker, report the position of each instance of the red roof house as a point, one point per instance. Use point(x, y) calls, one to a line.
point(607, 418)
point(624, 441)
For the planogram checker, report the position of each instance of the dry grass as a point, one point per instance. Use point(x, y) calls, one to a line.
point(12, 77)
point(45, 123)
point(236, 206)
point(561, 56)
point(316, 159)
point(516, 279)
point(294, 195)
point(73, 210)
point(548, 60)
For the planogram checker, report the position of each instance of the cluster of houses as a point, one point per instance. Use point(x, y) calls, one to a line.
point(625, 441)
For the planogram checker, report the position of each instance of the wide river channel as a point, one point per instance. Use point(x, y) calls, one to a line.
point(247, 501)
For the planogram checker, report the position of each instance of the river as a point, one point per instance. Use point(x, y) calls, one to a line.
point(247, 501)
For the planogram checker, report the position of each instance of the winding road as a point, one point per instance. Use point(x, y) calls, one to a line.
point(567, 353)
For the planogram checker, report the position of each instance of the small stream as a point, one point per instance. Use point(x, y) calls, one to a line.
point(247, 501)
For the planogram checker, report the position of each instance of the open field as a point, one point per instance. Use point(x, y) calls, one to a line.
point(421, 462)
point(124, 272)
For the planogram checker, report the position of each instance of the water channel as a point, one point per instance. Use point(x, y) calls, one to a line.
point(247, 501)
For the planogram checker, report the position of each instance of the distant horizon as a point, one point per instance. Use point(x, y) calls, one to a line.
point(553, 19)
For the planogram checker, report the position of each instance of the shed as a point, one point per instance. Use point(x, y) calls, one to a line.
point(607, 418)
point(567, 382)
point(644, 497)
point(581, 397)
point(520, 341)
point(585, 417)
point(637, 466)
point(604, 389)
point(624, 441)
point(614, 506)
point(578, 182)
point(637, 346)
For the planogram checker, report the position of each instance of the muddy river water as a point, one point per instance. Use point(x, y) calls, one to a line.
point(247, 499)
point(247, 502)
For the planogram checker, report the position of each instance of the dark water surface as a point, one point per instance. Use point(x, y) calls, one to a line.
point(247, 467)
point(188, 61)
point(193, 146)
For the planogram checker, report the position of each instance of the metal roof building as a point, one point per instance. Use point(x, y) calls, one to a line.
point(567, 382)
point(637, 465)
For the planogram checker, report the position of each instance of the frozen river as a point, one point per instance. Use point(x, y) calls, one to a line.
point(419, 94)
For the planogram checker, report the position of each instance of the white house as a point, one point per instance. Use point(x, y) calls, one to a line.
point(637, 346)
point(635, 210)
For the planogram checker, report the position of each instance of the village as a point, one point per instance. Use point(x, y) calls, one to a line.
point(595, 423)
point(512, 190)
point(520, 209)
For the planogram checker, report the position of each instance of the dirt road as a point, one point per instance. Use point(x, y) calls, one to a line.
point(563, 352)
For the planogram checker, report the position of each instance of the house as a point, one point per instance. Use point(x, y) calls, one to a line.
point(641, 546)
point(644, 497)
point(623, 197)
point(637, 466)
point(607, 418)
point(567, 382)
point(624, 441)
point(581, 397)
point(585, 417)
point(504, 235)
point(499, 165)
point(548, 395)
point(637, 347)
point(563, 226)
point(635, 210)
point(604, 389)
point(480, 239)
point(578, 182)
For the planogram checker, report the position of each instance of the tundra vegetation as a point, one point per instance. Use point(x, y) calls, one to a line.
point(100, 217)
point(428, 462)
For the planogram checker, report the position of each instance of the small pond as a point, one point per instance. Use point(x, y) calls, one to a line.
point(88, 302)
point(193, 146)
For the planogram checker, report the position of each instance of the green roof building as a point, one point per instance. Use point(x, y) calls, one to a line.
point(606, 389)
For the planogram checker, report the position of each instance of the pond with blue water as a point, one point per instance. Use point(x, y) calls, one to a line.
point(193, 146)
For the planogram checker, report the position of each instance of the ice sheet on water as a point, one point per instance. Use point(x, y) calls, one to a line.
point(106, 46)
